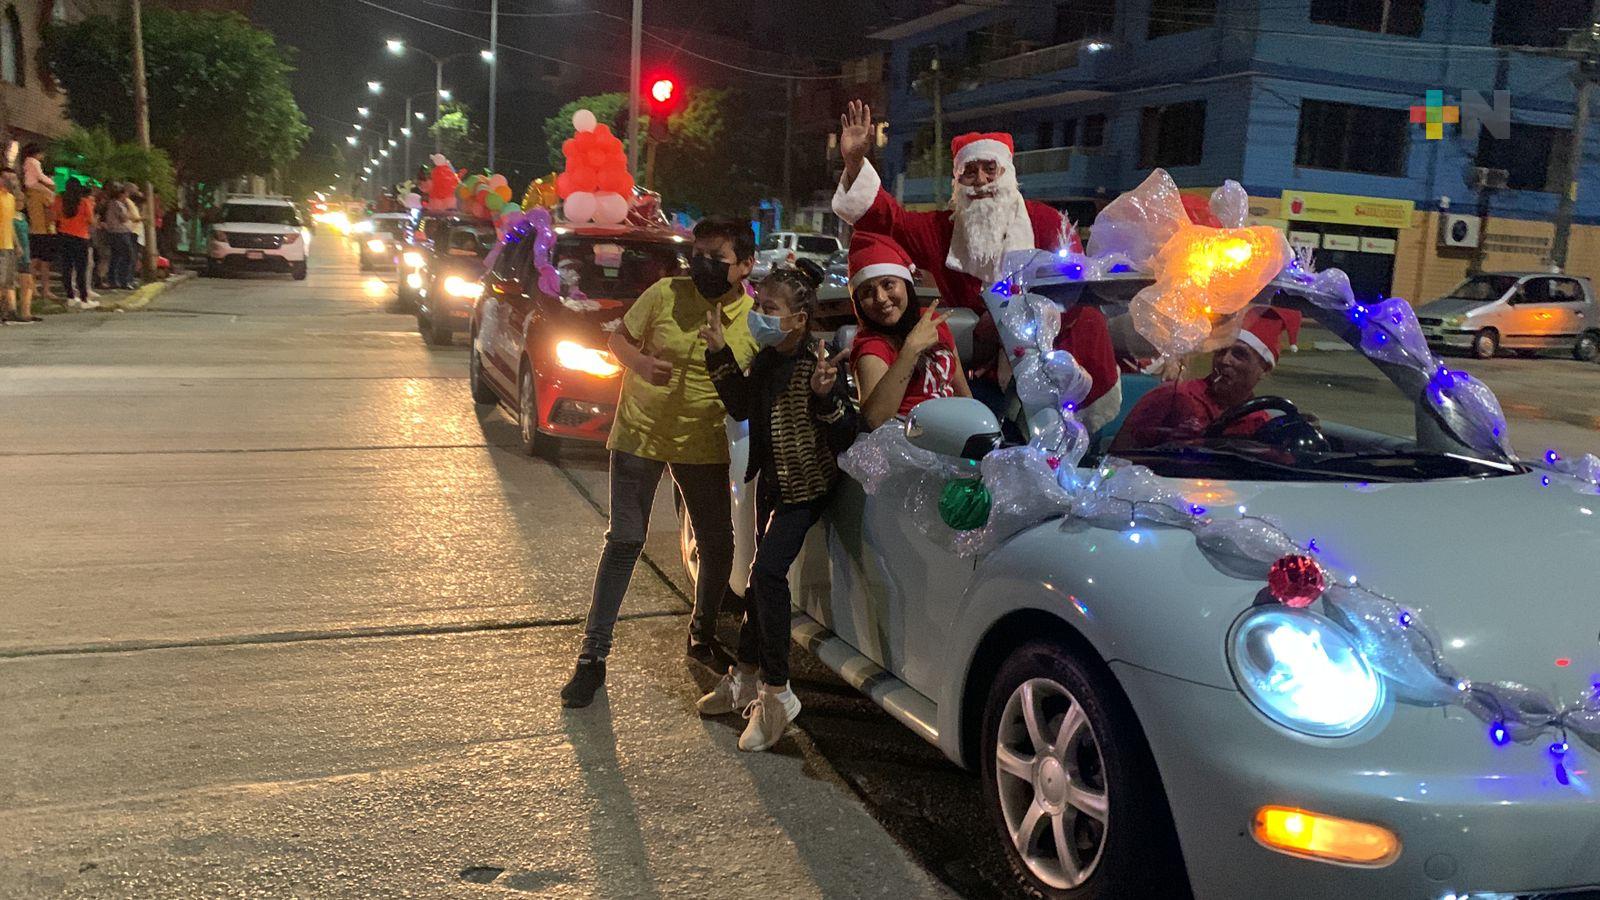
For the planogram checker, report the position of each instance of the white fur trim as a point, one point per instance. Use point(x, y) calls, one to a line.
point(984, 149)
point(1101, 412)
point(877, 269)
point(1258, 345)
point(850, 205)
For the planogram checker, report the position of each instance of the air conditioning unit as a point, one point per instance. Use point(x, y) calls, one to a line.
point(1458, 230)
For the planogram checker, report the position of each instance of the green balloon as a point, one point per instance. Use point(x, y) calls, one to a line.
point(964, 504)
point(494, 202)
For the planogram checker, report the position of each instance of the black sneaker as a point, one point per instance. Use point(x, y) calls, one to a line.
point(587, 677)
point(709, 654)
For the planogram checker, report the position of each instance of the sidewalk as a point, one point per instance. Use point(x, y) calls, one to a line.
point(119, 301)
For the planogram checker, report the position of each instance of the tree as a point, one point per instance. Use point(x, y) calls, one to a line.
point(319, 165)
point(461, 138)
point(100, 156)
point(220, 104)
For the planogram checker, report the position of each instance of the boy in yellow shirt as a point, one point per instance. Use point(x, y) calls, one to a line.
point(669, 417)
point(8, 249)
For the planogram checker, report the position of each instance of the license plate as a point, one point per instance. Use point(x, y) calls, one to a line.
point(255, 254)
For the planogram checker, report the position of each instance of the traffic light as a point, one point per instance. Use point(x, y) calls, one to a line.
point(664, 97)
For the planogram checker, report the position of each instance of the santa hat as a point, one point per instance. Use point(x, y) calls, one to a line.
point(873, 255)
point(995, 145)
point(1262, 327)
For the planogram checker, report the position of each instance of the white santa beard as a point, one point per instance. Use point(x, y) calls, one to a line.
point(987, 229)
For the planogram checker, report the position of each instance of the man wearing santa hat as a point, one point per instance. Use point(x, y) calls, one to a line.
point(964, 246)
point(1183, 410)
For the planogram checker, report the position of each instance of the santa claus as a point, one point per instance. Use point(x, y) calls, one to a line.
point(963, 247)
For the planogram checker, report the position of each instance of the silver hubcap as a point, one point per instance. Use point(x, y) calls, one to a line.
point(1052, 783)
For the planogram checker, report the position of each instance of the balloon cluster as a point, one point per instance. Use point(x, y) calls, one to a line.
point(436, 190)
point(486, 197)
point(596, 186)
point(518, 225)
point(541, 192)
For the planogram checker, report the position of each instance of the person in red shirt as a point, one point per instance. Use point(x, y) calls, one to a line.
point(903, 354)
point(1182, 410)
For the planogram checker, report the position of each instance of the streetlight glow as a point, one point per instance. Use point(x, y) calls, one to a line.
point(396, 47)
point(375, 86)
point(384, 153)
point(393, 142)
point(351, 140)
point(363, 112)
point(421, 116)
point(406, 131)
point(488, 55)
point(444, 94)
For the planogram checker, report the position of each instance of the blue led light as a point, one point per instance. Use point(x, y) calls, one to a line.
point(1196, 510)
point(1552, 457)
point(1312, 546)
point(1405, 619)
point(1498, 735)
point(1121, 267)
point(1074, 270)
point(1544, 480)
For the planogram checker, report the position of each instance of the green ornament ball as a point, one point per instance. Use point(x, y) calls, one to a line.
point(964, 504)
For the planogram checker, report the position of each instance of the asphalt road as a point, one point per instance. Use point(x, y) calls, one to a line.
point(286, 614)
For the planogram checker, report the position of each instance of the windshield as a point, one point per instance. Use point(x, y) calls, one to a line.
point(471, 241)
point(613, 268)
point(392, 227)
point(260, 213)
point(1484, 288)
point(1324, 412)
point(814, 244)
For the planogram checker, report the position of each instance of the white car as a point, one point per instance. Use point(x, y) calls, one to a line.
point(787, 247)
point(1154, 713)
point(258, 234)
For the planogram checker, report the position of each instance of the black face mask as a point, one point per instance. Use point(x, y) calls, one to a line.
point(710, 276)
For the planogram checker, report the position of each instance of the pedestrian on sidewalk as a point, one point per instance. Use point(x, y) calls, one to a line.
point(39, 194)
point(800, 420)
point(135, 204)
point(669, 417)
point(119, 238)
point(8, 250)
point(75, 221)
point(25, 286)
point(100, 241)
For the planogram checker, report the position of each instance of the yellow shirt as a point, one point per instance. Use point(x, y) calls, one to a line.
point(680, 421)
point(8, 211)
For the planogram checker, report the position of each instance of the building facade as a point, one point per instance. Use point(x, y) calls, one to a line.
point(1307, 103)
point(32, 106)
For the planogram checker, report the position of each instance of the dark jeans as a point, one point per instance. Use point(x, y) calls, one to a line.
point(764, 636)
point(74, 261)
point(633, 490)
point(122, 253)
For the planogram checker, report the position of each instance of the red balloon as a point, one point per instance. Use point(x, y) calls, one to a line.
point(564, 188)
point(584, 179)
point(616, 181)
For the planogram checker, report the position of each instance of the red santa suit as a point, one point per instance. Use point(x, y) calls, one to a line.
point(932, 241)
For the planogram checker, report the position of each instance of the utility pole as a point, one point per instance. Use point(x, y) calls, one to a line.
point(438, 101)
point(141, 114)
point(494, 70)
point(407, 130)
point(633, 88)
point(938, 118)
point(788, 146)
point(1587, 47)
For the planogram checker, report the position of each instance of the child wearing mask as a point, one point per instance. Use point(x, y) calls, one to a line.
point(669, 417)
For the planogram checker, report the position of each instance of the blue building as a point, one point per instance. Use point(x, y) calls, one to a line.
point(1307, 103)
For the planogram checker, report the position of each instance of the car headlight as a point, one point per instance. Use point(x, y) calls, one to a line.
point(456, 286)
point(413, 259)
point(1454, 321)
point(291, 237)
point(1304, 672)
point(362, 227)
point(575, 356)
point(375, 245)
point(414, 281)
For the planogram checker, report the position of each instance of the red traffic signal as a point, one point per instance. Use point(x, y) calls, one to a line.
point(664, 100)
point(663, 91)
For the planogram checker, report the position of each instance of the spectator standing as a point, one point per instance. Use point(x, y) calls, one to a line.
point(100, 240)
point(39, 194)
point(25, 286)
point(75, 222)
point(135, 203)
point(8, 253)
point(119, 238)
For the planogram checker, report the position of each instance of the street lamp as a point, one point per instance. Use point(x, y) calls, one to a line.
point(406, 131)
point(440, 95)
point(444, 94)
point(393, 142)
point(487, 55)
point(421, 116)
point(351, 140)
point(395, 46)
point(364, 112)
point(375, 86)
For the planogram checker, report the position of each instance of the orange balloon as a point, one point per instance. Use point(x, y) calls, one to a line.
point(503, 192)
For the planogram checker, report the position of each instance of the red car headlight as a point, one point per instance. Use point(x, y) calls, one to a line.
point(589, 360)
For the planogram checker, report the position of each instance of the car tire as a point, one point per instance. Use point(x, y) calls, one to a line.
point(534, 441)
point(298, 271)
point(1587, 347)
point(1485, 344)
point(439, 335)
point(1099, 782)
point(481, 391)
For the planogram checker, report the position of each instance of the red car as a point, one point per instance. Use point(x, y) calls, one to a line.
point(544, 356)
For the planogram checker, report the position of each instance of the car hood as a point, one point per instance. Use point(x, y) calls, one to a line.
point(257, 228)
point(1452, 306)
point(1497, 567)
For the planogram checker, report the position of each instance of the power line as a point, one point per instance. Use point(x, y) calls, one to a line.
point(508, 15)
point(479, 39)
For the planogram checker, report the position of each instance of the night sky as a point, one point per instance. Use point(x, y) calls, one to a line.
point(340, 46)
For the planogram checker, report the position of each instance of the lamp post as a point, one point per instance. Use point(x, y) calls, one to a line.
point(440, 95)
point(493, 59)
point(409, 127)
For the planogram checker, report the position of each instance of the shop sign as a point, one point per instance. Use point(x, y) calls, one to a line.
point(1310, 239)
point(1348, 242)
point(1347, 209)
point(1378, 245)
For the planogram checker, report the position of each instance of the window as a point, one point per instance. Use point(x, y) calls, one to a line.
point(1045, 136)
point(1080, 20)
point(12, 63)
point(1173, 135)
point(922, 59)
point(1549, 290)
point(1069, 133)
point(1094, 131)
point(1537, 24)
point(1177, 16)
point(1350, 138)
point(1533, 157)
point(1403, 17)
point(998, 41)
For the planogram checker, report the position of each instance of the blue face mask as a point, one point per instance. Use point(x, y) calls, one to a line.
point(766, 330)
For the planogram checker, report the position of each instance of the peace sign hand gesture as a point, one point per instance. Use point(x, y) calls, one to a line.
point(826, 374)
point(711, 332)
point(924, 335)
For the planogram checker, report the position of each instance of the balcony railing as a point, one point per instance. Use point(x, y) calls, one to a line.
point(1034, 62)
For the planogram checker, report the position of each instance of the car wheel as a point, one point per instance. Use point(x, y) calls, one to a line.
point(1070, 783)
point(298, 270)
point(481, 391)
point(534, 441)
point(1587, 347)
point(1486, 343)
point(440, 335)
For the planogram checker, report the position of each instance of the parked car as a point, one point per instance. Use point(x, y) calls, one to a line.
point(380, 240)
point(1148, 722)
point(443, 274)
point(788, 247)
point(258, 234)
point(1522, 311)
point(543, 355)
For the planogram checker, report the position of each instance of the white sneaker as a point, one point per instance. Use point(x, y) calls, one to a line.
point(769, 714)
point(731, 693)
point(93, 294)
point(74, 303)
point(91, 304)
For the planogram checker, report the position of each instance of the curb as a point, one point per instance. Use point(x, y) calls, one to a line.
point(133, 302)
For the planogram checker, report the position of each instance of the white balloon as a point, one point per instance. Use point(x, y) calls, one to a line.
point(580, 207)
point(583, 120)
point(612, 209)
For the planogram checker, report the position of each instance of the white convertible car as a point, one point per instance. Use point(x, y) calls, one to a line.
point(1352, 654)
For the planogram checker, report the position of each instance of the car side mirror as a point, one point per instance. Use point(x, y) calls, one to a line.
point(953, 426)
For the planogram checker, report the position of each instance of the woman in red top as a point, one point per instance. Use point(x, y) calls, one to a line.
point(74, 219)
point(903, 354)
